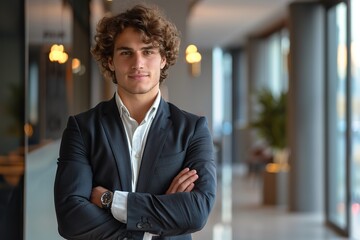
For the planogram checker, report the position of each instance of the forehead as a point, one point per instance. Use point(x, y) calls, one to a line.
point(130, 36)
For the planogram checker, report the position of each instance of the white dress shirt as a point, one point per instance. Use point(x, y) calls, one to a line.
point(136, 137)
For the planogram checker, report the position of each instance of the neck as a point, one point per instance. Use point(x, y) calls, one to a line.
point(138, 104)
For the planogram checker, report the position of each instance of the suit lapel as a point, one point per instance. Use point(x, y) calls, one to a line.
point(154, 144)
point(117, 140)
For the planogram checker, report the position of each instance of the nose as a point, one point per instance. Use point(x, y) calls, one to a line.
point(138, 61)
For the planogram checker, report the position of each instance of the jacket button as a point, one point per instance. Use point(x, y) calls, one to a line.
point(139, 225)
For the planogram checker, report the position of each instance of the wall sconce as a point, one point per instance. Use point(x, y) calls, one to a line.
point(58, 54)
point(193, 58)
point(77, 67)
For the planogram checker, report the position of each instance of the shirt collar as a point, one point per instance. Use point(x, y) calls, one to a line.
point(123, 111)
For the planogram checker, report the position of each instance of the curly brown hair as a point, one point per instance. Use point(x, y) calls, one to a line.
point(152, 25)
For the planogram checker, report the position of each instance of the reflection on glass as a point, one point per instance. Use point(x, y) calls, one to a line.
point(278, 47)
point(58, 85)
point(12, 121)
point(355, 56)
point(336, 115)
point(49, 71)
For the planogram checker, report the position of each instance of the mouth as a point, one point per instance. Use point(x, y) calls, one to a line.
point(138, 76)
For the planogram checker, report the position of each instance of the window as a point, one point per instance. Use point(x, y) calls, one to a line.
point(12, 159)
point(355, 118)
point(336, 116)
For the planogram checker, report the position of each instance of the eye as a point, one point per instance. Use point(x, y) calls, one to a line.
point(125, 53)
point(148, 52)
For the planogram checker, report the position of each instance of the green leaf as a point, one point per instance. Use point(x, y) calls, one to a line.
point(271, 119)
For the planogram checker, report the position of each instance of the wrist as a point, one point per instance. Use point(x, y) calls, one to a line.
point(106, 199)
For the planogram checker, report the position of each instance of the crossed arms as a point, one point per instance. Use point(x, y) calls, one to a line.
point(183, 182)
point(182, 209)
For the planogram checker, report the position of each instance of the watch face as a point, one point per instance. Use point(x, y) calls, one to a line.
point(106, 199)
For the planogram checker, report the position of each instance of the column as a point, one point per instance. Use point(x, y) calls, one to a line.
point(306, 107)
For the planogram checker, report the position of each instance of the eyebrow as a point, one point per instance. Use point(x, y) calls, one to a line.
point(150, 47)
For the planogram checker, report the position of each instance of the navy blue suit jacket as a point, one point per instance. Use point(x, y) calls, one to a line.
point(94, 151)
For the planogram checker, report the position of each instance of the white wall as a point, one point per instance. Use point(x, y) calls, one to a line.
point(194, 94)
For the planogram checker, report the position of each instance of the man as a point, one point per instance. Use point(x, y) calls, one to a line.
point(135, 167)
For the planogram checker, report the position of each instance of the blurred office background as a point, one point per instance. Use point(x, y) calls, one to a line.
point(278, 80)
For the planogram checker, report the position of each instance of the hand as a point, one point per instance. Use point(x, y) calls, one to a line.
point(96, 195)
point(183, 182)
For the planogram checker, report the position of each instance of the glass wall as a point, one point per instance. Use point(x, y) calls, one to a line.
point(269, 72)
point(50, 56)
point(60, 78)
point(12, 85)
point(343, 119)
point(278, 50)
point(336, 115)
point(60, 64)
point(48, 104)
point(355, 121)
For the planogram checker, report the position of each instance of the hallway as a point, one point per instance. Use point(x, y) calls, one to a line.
point(253, 221)
point(250, 219)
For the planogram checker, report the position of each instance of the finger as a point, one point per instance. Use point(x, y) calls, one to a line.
point(185, 184)
point(174, 182)
point(186, 176)
point(190, 188)
point(180, 174)
point(179, 184)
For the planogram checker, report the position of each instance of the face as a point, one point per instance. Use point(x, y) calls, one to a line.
point(136, 65)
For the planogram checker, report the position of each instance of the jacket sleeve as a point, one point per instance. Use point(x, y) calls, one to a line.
point(77, 217)
point(179, 213)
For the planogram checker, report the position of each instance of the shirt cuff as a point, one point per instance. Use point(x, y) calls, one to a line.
point(119, 206)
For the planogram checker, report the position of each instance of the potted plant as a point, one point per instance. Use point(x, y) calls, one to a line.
point(270, 122)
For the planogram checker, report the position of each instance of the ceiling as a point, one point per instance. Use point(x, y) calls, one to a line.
point(211, 23)
point(227, 23)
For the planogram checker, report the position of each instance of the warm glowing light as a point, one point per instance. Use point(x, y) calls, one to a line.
point(192, 54)
point(28, 129)
point(57, 48)
point(58, 54)
point(63, 58)
point(76, 65)
point(191, 49)
point(272, 167)
point(276, 167)
point(193, 57)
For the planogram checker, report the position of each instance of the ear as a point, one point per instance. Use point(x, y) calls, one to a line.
point(111, 64)
point(163, 63)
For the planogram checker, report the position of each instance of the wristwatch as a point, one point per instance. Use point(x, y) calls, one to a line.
point(106, 199)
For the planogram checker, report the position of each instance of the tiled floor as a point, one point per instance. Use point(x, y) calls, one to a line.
point(251, 220)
